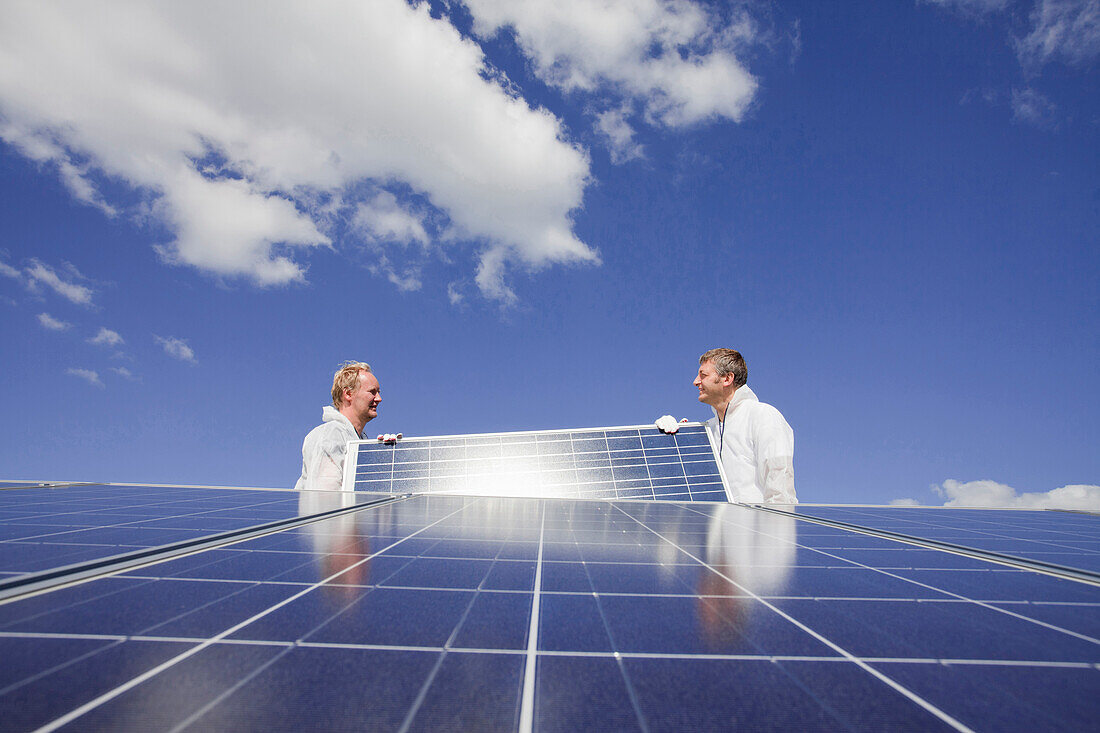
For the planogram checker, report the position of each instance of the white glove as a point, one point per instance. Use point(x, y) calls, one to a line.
point(667, 424)
point(389, 438)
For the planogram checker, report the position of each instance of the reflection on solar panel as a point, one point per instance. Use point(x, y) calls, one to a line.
point(638, 462)
point(487, 613)
point(1062, 538)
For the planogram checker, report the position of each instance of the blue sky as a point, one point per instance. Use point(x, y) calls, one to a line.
point(532, 215)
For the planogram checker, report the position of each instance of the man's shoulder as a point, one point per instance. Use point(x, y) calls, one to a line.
point(762, 412)
point(330, 430)
point(765, 408)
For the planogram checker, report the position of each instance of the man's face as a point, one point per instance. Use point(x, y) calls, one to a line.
point(712, 388)
point(365, 400)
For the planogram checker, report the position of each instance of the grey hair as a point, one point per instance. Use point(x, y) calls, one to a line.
point(728, 361)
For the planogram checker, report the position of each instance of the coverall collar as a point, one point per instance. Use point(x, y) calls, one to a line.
point(743, 394)
point(331, 414)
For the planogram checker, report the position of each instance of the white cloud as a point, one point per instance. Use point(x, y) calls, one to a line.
point(124, 373)
point(382, 219)
point(1033, 108)
point(177, 348)
point(1066, 29)
point(42, 149)
point(987, 94)
point(251, 128)
point(52, 323)
point(676, 58)
point(406, 282)
point(39, 273)
point(89, 376)
point(8, 271)
point(106, 337)
point(454, 293)
point(612, 125)
point(993, 494)
point(971, 7)
point(904, 502)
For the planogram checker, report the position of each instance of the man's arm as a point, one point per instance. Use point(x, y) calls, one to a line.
point(775, 455)
point(779, 480)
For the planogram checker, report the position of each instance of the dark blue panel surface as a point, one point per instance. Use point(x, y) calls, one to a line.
point(648, 615)
point(45, 528)
point(44, 698)
point(1071, 539)
point(605, 463)
point(1008, 697)
point(679, 694)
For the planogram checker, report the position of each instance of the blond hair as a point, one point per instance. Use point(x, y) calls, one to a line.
point(346, 377)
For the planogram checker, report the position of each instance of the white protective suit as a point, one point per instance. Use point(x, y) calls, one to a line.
point(323, 452)
point(757, 450)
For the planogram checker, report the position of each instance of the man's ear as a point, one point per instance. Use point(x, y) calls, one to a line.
point(728, 379)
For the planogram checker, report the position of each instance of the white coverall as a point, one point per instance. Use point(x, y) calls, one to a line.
point(757, 450)
point(323, 452)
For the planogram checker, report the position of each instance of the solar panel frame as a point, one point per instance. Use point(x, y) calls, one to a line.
point(619, 462)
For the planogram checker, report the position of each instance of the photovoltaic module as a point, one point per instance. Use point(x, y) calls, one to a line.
point(635, 462)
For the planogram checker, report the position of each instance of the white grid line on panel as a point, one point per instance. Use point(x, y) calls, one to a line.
point(959, 662)
point(652, 495)
point(527, 700)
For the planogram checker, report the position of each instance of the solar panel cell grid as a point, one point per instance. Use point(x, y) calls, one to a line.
point(45, 528)
point(1062, 538)
point(623, 463)
point(650, 615)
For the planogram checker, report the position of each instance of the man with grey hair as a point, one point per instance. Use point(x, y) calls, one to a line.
point(356, 395)
point(755, 443)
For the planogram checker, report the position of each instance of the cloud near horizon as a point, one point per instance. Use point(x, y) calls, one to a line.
point(250, 130)
point(991, 494)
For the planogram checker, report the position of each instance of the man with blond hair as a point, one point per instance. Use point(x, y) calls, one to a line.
point(356, 395)
point(755, 442)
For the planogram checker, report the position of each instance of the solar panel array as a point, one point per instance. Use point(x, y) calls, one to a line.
point(45, 528)
point(483, 613)
point(637, 462)
point(1061, 538)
